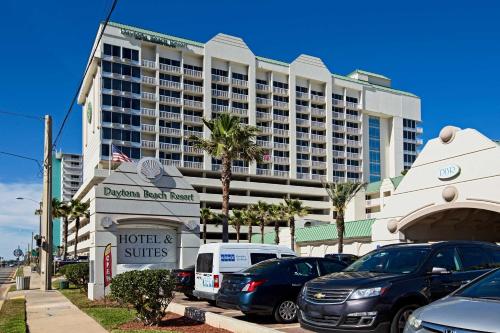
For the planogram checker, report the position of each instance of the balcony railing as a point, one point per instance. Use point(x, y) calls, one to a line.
point(353, 168)
point(193, 88)
point(302, 122)
point(338, 128)
point(264, 172)
point(353, 143)
point(239, 97)
point(239, 111)
point(148, 128)
point(176, 163)
point(319, 164)
point(338, 115)
point(280, 91)
point(338, 141)
point(279, 173)
point(170, 68)
point(281, 160)
point(263, 101)
point(339, 166)
point(219, 108)
point(319, 177)
point(170, 131)
point(318, 112)
point(353, 130)
point(240, 83)
point(318, 124)
point(266, 144)
point(149, 96)
point(318, 98)
point(280, 118)
point(170, 115)
point(301, 175)
point(148, 80)
point(281, 132)
point(337, 179)
point(301, 162)
point(220, 93)
point(219, 78)
point(338, 153)
point(193, 104)
point(280, 104)
point(354, 156)
point(262, 87)
point(170, 100)
point(192, 149)
point(302, 108)
point(302, 135)
point(302, 95)
point(265, 130)
point(170, 147)
point(170, 84)
point(302, 149)
point(148, 112)
point(352, 105)
point(149, 64)
point(281, 146)
point(318, 151)
point(188, 133)
point(148, 144)
point(264, 115)
point(193, 72)
point(318, 138)
point(193, 119)
point(193, 165)
point(338, 102)
point(353, 117)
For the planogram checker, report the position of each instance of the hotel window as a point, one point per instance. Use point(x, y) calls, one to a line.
point(130, 54)
point(409, 123)
point(302, 170)
point(240, 76)
point(170, 156)
point(278, 84)
point(193, 67)
point(351, 99)
point(168, 139)
point(374, 148)
point(168, 77)
point(303, 143)
point(261, 81)
point(112, 50)
point(317, 93)
point(170, 108)
point(170, 93)
point(220, 72)
point(120, 135)
point(301, 89)
point(171, 62)
point(338, 97)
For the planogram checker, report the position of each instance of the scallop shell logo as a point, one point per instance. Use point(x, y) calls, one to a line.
point(149, 169)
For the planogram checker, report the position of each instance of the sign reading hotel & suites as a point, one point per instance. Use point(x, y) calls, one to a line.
point(122, 193)
point(146, 246)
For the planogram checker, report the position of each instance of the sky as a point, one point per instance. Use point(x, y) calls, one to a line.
point(446, 52)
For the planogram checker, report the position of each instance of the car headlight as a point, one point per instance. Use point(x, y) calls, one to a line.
point(413, 322)
point(369, 292)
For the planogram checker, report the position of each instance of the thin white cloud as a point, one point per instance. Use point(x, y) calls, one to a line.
point(17, 218)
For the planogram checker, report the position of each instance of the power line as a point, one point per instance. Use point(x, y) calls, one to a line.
point(40, 169)
point(84, 74)
point(18, 114)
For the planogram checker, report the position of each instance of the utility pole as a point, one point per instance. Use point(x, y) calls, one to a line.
point(46, 249)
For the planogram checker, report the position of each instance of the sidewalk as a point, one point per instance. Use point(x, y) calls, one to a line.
point(51, 312)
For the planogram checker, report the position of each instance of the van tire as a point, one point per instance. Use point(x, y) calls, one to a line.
point(283, 312)
point(397, 323)
point(212, 302)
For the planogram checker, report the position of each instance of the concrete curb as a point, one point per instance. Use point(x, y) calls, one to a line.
point(217, 320)
point(6, 287)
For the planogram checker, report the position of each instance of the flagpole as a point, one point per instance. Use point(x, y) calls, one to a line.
point(110, 157)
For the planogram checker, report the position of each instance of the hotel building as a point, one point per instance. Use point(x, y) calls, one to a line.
point(147, 92)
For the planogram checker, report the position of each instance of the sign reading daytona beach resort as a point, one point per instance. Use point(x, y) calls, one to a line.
point(146, 194)
point(146, 246)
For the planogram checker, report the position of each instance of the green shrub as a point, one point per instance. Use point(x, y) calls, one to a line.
point(149, 292)
point(78, 274)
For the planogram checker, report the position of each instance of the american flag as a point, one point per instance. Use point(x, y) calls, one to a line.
point(119, 156)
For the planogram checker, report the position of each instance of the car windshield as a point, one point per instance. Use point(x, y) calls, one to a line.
point(261, 267)
point(395, 260)
point(486, 288)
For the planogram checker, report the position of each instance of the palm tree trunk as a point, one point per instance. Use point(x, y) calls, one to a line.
point(250, 233)
point(204, 221)
point(340, 230)
point(65, 237)
point(276, 232)
point(292, 233)
point(77, 228)
point(237, 233)
point(226, 182)
point(262, 232)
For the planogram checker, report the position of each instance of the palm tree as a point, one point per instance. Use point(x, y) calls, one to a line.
point(276, 215)
point(250, 218)
point(236, 220)
point(205, 215)
point(229, 140)
point(61, 209)
point(263, 210)
point(78, 210)
point(340, 194)
point(292, 208)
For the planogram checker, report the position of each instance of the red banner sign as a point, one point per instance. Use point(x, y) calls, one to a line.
point(108, 264)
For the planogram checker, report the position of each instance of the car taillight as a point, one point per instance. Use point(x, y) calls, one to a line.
point(252, 285)
point(216, 281)
point(184, 274)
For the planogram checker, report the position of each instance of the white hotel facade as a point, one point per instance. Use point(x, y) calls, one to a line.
point(147, 92)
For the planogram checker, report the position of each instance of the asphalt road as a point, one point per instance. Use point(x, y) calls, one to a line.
point(5, 273)
point(265, 321)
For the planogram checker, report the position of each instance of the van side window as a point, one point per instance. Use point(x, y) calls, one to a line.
point(258, 257)
point(205, 263)
point(474, 257)
point(446, 258)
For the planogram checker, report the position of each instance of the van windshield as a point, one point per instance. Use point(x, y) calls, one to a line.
point(395, 261)
point(205, 263)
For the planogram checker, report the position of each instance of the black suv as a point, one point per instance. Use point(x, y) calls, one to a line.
point(379, 291)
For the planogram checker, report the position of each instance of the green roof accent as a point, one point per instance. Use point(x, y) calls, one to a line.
point(373, 187)
point(268, 238)
point(375, 86)
point(353, 229)
point(271, 61)
point(396, 180)
point(154, 33)
point(369, 73)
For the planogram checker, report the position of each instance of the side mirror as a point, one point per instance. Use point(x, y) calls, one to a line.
point(440, 271)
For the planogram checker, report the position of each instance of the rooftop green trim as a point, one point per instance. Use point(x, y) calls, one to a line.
point(268, 238)
point(368, 73)
point(154, 33)
point(375, 86)
point(396, 181)
point(373, 187)
point(353, 229)
point(271, 61)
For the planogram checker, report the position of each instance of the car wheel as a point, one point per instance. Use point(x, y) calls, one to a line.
point(285, 311)
point(190, 297)
point(399, 321)
point(212, 302)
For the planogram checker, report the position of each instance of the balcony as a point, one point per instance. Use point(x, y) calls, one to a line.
point(281, 146)
point(192, 150)
point(239, 97)
point(149, 64)
point(220, 108)
point(337, 179)
point(170, 115)
point(302, 95)
point(318, 151)
point(301, 175)
point(147, 112)
point(170, 131)
point(239, 83)
point(338, 128)
point(280, 132)
point(170, 147)
point(264, 172)
point(193, 165)
point(280, 119)
point(352, 105)
point(338, 102)
point(302, 108)
point(170, 84)
point(188, 133)
point(220, 93)
point(170, 100)
point(170, 69)
point(353, 117)
point(239, 111)
point(303, 135)
point(234, 169)
point(148, 128)
point(265, 130)
point(149, 96)
point(302, 122)
point(318, 98)
point(354, 156)
point(339, 167)
point(168, 162)
point(420, 130)
point(338, 153)
point(148, 80)
point(280, 91)
point(265, 144)
point(318, 124)
point(305, 163)
point(319, 177)
point(262, 87)
point(354, 168)
point(263, 115)
point(318, 138)
point(193, 119)
point(263, 101)
point(373, 202)
point(193, 73)
point(319, 164)
point(148, 144)
point(219, 78)
point(302, 149)
point(353, 180)
point(194, 89)
point(318, 112)
point(353, 143)
point(193, 104)
point(281, 160)
point(338, 115)
point(280, 104)
point(353, 130)
point(410, 152)
point(279, 173)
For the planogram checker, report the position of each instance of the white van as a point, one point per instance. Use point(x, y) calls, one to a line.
point(215, 259)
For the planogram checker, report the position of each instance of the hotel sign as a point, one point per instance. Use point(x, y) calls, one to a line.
point(147, 194)
point(152, 38)
point(146, 246)
point(448, 172)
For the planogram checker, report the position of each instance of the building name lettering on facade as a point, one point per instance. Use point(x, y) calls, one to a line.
point(150, 245)
point(448, 172)
point(152, 38)
point(146, 194)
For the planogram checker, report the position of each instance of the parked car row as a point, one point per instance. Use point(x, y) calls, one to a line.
point(380, 292)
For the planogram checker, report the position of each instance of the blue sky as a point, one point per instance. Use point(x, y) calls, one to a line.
point(446, 52)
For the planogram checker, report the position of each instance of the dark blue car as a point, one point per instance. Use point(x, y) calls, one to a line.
point(271, 287)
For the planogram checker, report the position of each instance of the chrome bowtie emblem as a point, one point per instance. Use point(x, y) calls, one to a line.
point(320, 296)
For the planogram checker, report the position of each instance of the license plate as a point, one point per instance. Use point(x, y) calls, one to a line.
point(207, 281)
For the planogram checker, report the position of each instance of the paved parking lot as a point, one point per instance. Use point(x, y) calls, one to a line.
point(268, 322)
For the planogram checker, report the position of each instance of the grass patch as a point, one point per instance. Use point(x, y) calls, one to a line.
point(19, 271)
point(12, 288)
point(13, 316)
